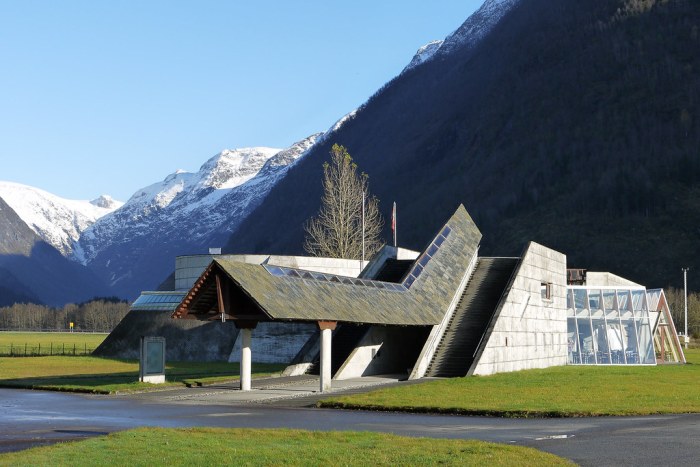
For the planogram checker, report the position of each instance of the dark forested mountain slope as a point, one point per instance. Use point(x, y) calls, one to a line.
point(573, 123)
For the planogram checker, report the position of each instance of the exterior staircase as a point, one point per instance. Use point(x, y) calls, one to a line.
point(455, 352)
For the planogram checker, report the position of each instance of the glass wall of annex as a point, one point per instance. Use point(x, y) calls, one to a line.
point(609, 326)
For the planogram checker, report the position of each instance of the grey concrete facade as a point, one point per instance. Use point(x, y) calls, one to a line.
point(528, 330)
point(607, 279)
point(186, 340)
point(275, 342)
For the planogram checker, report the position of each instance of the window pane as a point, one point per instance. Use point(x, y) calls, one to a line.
point(629, 337)
point(572, 342)
point(585, 342)
point(637, 301)
point(600, 341)
point(646, 352)
point(595, 302)
point(610, 305)
point(615, 343)
point(570, 303)
point(625, 303)
point(580, 302)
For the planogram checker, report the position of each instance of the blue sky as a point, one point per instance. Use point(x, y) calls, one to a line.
point(109, 96)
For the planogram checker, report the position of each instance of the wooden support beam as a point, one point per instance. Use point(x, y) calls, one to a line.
point(322, 325)
point(219, 294)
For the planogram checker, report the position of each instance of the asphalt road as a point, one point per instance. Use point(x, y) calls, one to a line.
point(30, 418)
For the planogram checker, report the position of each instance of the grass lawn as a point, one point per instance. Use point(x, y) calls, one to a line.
point(559, 392)
point(107, 376)
point(217, 446)
point(48, 342)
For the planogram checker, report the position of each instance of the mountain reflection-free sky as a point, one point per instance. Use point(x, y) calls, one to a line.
point(105, 97)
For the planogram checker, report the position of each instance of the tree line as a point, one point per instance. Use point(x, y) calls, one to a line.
point(100, 315)
point(675, 302)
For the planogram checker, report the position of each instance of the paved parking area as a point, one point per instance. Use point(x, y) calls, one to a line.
point(290, 391)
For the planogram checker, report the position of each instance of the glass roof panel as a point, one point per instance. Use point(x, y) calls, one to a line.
point(438, 241)
point(432, 250)
point(274, 270)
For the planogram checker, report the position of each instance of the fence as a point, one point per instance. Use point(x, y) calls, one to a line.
point(57, 331)
point(39, 350)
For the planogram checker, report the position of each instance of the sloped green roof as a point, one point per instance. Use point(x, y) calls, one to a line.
point(295, 295)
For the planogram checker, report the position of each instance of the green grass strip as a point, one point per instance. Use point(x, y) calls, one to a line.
point(217, 446)
point(109, 376)
point(565, 391)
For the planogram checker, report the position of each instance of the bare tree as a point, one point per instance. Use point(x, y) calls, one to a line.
point(336, 232)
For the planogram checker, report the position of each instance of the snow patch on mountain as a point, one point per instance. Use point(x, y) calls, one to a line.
point(424, 54)
point(56, 220)
point(480, 23)
point(337, 125)
point(473, 30)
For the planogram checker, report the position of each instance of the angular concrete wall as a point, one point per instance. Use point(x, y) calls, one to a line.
point(185, 339)
point(606, 279)
point(275, 342)
point(528, 331)
point(385, 350)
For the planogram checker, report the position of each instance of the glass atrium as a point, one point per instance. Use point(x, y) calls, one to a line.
point(609, 326)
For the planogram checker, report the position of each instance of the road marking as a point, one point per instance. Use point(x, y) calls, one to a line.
point(554, 437)
point(229, 414)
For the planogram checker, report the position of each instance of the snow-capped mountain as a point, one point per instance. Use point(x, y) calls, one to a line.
point(56, 220)
point(133, 247)
point(468, 34)
point(424, 54)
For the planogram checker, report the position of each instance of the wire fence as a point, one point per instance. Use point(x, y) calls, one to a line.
point(41, 350)
point(76, 330)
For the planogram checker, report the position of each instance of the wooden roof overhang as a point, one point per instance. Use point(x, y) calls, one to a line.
point(215, 293)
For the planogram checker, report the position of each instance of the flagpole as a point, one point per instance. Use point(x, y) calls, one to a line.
point(393, 222)
point(362, 265)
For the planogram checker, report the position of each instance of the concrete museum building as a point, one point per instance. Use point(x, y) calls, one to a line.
point(443, 312)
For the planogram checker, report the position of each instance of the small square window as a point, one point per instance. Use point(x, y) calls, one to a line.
point(546, 290)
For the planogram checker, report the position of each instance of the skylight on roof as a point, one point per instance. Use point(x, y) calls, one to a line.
point(280, 271)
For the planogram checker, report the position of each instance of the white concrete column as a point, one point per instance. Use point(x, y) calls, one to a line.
point(326, 359)
point(245, 358)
